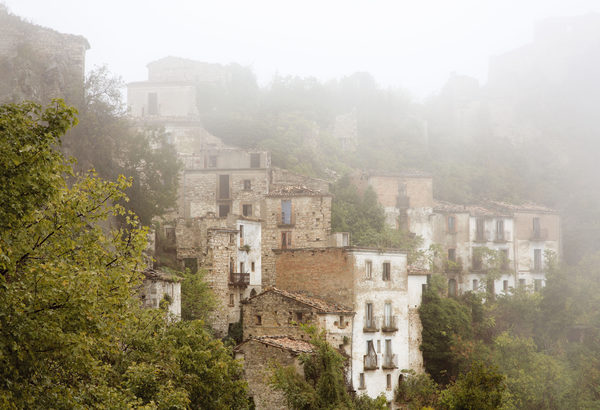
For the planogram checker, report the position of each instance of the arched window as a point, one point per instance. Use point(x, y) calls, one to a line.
point(253, 293)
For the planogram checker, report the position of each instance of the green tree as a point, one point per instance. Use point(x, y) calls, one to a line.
point(417, 391)
point(323, 385)
point(482, 388)
point(74, 334)
point(197, 299)
point(109, 142)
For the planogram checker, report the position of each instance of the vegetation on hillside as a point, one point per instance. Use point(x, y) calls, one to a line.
point(74, 334)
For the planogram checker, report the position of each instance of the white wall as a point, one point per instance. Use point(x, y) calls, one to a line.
point(174, 100)
point(252, 237)
point(378, 292)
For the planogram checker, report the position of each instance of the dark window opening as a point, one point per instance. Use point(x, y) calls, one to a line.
point(252, 266)
point(386, 271)
point(537, 284)
point(223, 186)
point(500, 230)
point(537, 260)
point(452, 287)
point(452, 254)
point(536, 227)
point(286, 211)
point(223, 211)
point(451, 224)
point(247, 184)
point(191, 264)
point(286, 240)
point(505, 286)
point(479, 233)
point(212, 161)
point(247, 210)
point(258, 320)
point(242, 267)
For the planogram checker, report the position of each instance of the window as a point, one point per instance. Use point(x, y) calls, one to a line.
point(522, 283)
point(379, 346)
point(536, 227)
point(241, 231)
point(212, 161)
point(242, 267)
point(479, 232)
point(386, 271)
point(231, 300)
point(387, 315)
point(387, 355)
point(537, 260)
point(475, 284)
point(258, 320)
point(477, 259)
point(451, 224)
point(361, 381)
point(504, 259)
point(223, 210)
point(388, 378)
point(247, 210)
point(247, 185)
point(286, 211)
point(170, 234)
point(369, 322)
point(254, 160)
point(345, 239)
point(505, 285)
point(223, 186)
point(500, 229)
point(452, 254)
point(368, 269)
point(191, 264)
point(452, 287)
point(537, 285)
point(286, 240)
point(152, 104)
point(342, 322)
point(252, 266)
point(298, 316)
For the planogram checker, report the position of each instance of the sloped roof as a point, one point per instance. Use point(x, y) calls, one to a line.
point(319, 304)
point(153, 274)
point(283, 342)
point(445, 206)
point(524, 207)
point(294, 190)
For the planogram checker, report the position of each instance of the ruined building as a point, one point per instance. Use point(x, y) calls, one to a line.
point(522, 234)
point(39, 63)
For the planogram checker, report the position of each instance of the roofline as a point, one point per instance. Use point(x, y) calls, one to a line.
point(345, 249)
point(322, 311)
point(258, 339)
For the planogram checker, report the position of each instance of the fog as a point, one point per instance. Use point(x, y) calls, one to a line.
point(411, 44)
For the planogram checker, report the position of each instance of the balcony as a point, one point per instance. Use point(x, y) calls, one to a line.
point(390, 361)
point(370, 362)
point(501, 237)
point(389, 324)
point(370, 325)
point(538, 235)
point(239, 279)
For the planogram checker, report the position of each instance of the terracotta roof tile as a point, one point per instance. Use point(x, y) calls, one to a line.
point(319, 304)
point(287, 343)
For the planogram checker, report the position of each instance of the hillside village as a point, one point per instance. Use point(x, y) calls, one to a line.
point(263, 235)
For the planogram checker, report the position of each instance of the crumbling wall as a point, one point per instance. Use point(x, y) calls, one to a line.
point(326, 273)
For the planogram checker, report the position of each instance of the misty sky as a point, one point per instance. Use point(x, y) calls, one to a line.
point(413, 44)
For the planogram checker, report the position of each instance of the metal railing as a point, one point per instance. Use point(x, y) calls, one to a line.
point(239, 278)
point(370, 324)
point(389, 323)
point(370, 362)
point(390, 361)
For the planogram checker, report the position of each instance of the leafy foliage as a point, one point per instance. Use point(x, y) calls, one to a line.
point(74, 334)
point(197, 300)
point(482, 388)
point(323, 385)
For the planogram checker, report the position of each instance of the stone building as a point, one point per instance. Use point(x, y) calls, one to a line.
point(158, 286)
point(294, 216)
point(521, 234)
point(229, 251)
point(375, 284)
point(258, 355)
point(39, 63)
point(279, 312)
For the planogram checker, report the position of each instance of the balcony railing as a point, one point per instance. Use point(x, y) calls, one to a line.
point(239, 279)
point(370, 324)
point(389, 323)
point(390, 361)
point(538, 235)
point(370, 362)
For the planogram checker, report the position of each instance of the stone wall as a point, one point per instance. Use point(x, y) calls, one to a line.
point(280, 176)
point(258, 359)
point(39, 62)
point(326, 273)
point(310, 228)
